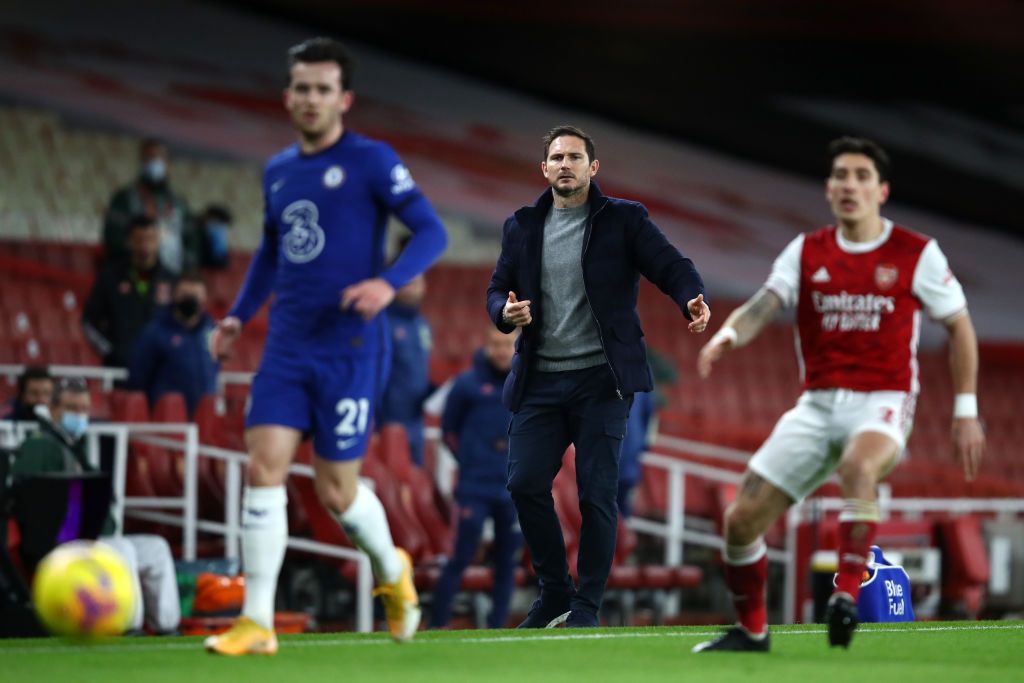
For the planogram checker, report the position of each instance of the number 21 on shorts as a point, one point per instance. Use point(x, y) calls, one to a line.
point(354, 414)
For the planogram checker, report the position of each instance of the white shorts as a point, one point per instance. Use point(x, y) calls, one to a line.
point(807, 442)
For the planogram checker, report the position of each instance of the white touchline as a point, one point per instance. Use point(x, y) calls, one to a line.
point(384, 640)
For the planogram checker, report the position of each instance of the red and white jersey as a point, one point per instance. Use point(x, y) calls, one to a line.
point(858, 305)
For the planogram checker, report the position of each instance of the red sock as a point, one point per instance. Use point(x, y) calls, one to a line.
point(855, 539)
point(747, 582)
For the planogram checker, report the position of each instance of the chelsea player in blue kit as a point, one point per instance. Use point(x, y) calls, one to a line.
point(327, 199)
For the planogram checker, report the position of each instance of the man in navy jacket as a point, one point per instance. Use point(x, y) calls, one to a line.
point(170, 355)
point(475, 428)
point(568, 275)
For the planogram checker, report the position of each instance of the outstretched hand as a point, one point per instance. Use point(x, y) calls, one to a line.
point(516, 312)
point(367, 297)
point(713, 350)
point(222, 337)
point(700, 314)
point(968, 444)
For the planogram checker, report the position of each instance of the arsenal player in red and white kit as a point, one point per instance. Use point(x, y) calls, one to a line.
point(859, 289)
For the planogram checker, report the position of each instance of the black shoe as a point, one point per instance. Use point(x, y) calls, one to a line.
point(735, 639)
point(579, 618)
point(547, 613)
point(841, 617)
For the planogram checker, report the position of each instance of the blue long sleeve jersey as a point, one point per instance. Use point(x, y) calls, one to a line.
point(325, 221)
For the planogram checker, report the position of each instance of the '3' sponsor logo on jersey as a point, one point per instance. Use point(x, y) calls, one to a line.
point(305, 238)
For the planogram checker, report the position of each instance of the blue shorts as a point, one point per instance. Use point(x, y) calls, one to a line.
point(332, 398)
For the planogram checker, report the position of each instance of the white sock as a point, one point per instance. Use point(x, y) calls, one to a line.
point(742, 555)
point(367, 526)
point(857, 510)
point(264, 537)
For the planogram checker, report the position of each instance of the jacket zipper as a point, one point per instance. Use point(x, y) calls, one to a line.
point(586, 294)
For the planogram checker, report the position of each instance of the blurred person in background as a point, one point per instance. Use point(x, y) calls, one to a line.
point(642, 428)
point(409, 380)
point(150, 194)
point(60, 446)
point(126, 295)
point(171, 353)
point(328, 201)
point(35, 391)
point(639, 430)
point(859, 287)
point(215, 227)
point(474, 426)
point(568, 275)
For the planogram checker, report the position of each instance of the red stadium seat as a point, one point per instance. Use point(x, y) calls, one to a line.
point(129, 406)
point(148, 465)
point(418, 490)
point(171, 408)
point(132, 406)
point(211, 470)
point(325, 528)
point(320, 523)
point(166, 465)
point(406, 529)
point(965, 565)
point(623, 577)
point(54, 323)
point(16, 324)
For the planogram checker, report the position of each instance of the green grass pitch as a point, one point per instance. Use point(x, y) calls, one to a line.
point(932, 652)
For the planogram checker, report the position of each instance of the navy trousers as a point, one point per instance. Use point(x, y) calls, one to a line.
point(507, 541)
point(558, 408)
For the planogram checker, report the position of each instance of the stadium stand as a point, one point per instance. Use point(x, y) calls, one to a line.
point(57, 172)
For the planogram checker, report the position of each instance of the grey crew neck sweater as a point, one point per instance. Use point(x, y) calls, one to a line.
point(569, 338)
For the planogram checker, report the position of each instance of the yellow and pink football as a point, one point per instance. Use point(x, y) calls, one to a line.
point(84, 589)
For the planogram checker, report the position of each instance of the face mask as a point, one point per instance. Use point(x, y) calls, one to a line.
point(154, 170)
point(218, 236)
point(187, 306)
point(42, 411)
point(74, 424)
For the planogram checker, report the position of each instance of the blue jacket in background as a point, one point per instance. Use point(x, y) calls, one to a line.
point(169, 358)
point(409, 379)
point(474, 414)
point(635, 442)
point(620, 244)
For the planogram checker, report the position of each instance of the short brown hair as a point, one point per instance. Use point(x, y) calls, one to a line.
point(32, 373)
point(559, 131)
point(322, 49)
point(141, 221)
point(869, 148)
